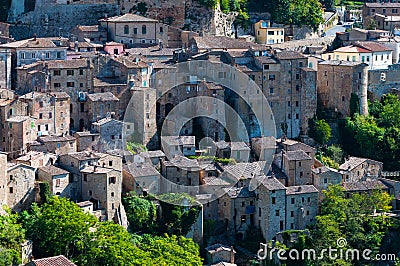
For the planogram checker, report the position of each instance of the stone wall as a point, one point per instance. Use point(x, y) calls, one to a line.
point(55, 19)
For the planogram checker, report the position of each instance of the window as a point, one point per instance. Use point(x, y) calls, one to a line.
point(58, 55)
point(126, 29)
point(281, 225)
point(308, 199)
point(110, 163)
point(300, 64)
point(271, 90)
point(289, 116)
point(134, 30)
point(33, 55)
point(273, 200)
point(384, 11)
point(271, 77)
point(40, 116)
point(291, 226)
point(297, 116)
point(80, 71)
point(85, 177)
point(58, 182)
point(297, 87)
point(259, 211)
point(270, 32)
point(11, 190)
point(112, 194)
point(297, 76)
point(81, 85)
point(90, 193)
point(292, 214)
point(297, 103)
point(301, 174)
point(353, 59)
point(276, 212)
point(308, 213)
point(292, 200)
point(70, 72)
point(288, 103)
point(343, 98)
point(22, 55)
point(70, 84)
point(50, 115)
point(266, 67)
point(326, 73)
point(242, 203)
point(325, 180)
point(47, 55)
point(144, 30)
point(112, 180)
point(394, 11)
point(57, 72)
point(57, 85)
point(161, 29)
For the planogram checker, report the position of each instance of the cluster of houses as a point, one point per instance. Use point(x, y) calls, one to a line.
point(63, 102)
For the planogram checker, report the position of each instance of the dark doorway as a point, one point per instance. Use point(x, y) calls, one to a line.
point(168, 108)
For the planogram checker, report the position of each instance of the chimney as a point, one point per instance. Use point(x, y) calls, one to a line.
point(34, 36)
point(94, 168)
point(76, 46)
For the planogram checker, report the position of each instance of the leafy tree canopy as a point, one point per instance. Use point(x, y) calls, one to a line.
point(320, 130)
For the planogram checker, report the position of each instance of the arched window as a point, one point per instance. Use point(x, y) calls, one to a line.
point(126, 29)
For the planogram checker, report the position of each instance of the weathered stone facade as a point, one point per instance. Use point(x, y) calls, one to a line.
point(57, 178)
point(20, 189)
point(338, 83)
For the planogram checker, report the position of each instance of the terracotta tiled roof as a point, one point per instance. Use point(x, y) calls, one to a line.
point(364, 185)
point(53, 261)
point(388, 5)
point(94, 28)
point(286, 55)
point(142, 169)
point(352, 49)
point(37, 43)
point(373, 46)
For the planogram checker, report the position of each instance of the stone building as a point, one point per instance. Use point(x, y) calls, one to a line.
point(220, 253)
point(297, 166)
point(237, 210)
point(94, 33)
point(20, 188)
point(290, 88)
point(301, 206)
point(293, 145)
point(134, 30)
point(141, 177)
point(110, 132)
point(37, 159)
point(356, 169)
point(52, 112)
point(35, 49)
point(5, 69)
point(376, 55)
point(57, 178)
point(182, 171)
point(340, 83)
point(18, 132)
point(99, 106)
point(178, 145)
point(383, 81)
point(370, 10)
point(368, 186)
point(153, 157)
point(63, 144)
point(270, 207)
point(86, 140)
point(97, 177)
point(324, 176)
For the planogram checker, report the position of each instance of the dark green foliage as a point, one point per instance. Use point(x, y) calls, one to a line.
point(4, 6)
point(376, 136)
point(141, 212)
point(349, 218)
point(354, 105)
point(44, 191)
point(320, 130)
point(11, 236)
point(179, 213)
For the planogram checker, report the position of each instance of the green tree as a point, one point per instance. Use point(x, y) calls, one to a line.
point(57, 227)
point(141, 213)
point(320, 130)
point(328, 4)
point(297, 12)
point(12, 235)
point(179, 212)
point(169, 250)
point(109, 244)
point(335, 153)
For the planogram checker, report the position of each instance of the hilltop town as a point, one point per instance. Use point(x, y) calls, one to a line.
point(192, 119)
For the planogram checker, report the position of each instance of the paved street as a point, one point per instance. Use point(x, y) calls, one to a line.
point(332, 31)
